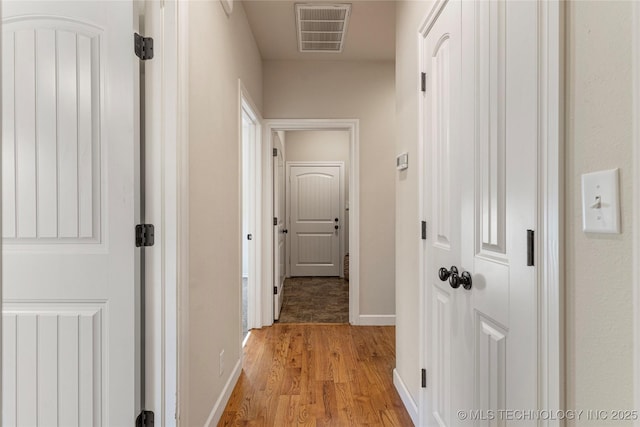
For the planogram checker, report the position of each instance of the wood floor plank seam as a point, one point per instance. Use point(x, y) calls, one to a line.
point(317, 375)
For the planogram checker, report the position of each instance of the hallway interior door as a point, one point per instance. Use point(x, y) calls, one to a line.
point(279, 228)
point(480, 199)
point(70, 202)
point(314, 211)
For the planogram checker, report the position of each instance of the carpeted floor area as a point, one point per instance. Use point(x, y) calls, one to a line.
point(315, 300)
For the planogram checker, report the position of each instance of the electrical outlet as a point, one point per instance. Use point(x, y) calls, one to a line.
point(221, 363)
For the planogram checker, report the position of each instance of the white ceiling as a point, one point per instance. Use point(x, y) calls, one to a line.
point(370, 35)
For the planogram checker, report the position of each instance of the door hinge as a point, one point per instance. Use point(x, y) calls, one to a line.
point(424, 230)
point(145, 419)
point(275, 152)
point(143, 47)
point(144, 235)
point(423, 82)
point(275, 220)
point(275, 290)
point(530, 247)
point(424, 378)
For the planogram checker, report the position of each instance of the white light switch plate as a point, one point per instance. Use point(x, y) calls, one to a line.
point(402, 161)
point(600, 202)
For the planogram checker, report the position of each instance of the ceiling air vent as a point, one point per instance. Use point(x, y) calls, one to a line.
point(322, 27)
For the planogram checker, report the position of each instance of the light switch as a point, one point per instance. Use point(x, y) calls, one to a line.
point(402, 161)
point(601, 202)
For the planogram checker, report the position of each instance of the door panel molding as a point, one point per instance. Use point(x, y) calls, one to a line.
point(41, 332)
point(274, 125)
point(52, 179)
point(491, 128)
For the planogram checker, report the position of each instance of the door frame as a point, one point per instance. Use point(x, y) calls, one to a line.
point(167, 205)
point(635, 264)
point(255, 218)
point(342, 204)
point(549, 238)
point(275, 125)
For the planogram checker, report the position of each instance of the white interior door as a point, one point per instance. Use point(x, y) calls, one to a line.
point(315, 198)
point(443, 123)
point(69, 204)
point(481, 124)
point(279, 230)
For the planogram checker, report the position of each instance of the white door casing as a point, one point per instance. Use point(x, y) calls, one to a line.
point(480, 199)
point(250, 131)
point(161, 209)
point(353, 127)
point(314, 205)
point(70, 168)
point(279, 228)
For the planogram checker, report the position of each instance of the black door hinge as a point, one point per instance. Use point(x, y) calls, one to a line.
point(424, 230)
point(275, 290)
point(145, 419)
point(275, 152)
point(530, 247)
point(423, 82)
point(144, 235)
point(424, 378)
point(275, 220)
point(143, 47)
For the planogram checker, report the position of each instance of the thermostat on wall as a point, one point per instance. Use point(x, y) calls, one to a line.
point(402, 161)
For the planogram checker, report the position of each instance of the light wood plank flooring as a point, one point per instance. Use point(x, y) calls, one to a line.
point(317, 375)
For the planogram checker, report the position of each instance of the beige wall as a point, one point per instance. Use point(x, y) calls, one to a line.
point(598, 267)
point(598, 136)
point(365, 91)
point(409, 15)
point(221, 50)
point(322, 145)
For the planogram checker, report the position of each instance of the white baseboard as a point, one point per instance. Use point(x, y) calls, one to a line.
point(221, 403)
point(405, 396)
point(377, 320)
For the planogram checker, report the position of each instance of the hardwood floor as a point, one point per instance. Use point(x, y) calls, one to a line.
point(317, 375)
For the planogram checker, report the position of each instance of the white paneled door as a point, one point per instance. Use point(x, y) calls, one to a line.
point(279, 229)
point(69, 208)
point(480, 139)
point(315, 204)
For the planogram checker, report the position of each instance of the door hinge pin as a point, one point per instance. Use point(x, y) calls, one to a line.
point(275, 220)
point(424, 230)
point(275, 152)
point(423, 82)
point(424, 378)
point(275, 290)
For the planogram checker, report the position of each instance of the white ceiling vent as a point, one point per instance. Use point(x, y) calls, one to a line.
point(322, 27)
